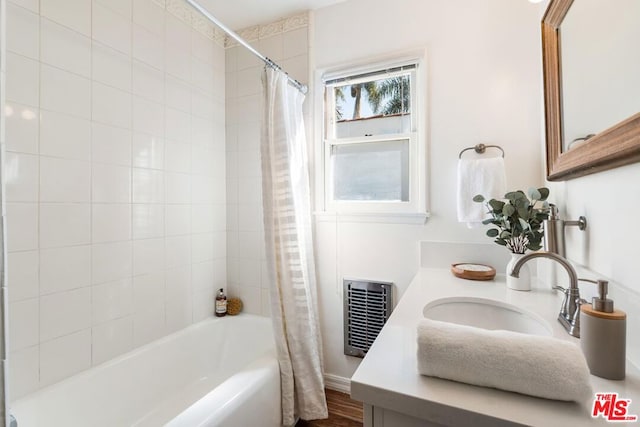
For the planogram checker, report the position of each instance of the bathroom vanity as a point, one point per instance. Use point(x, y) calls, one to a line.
point(395, 395)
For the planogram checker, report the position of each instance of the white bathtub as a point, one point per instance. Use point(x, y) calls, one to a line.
point(219, 372)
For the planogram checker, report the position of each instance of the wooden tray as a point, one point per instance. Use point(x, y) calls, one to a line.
point(473, 271)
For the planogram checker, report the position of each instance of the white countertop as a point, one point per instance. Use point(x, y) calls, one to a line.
point(388, 375)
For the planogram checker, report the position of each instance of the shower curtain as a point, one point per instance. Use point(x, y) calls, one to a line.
point(289, 249)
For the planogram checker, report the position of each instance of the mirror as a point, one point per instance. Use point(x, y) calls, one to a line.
point(592, 90)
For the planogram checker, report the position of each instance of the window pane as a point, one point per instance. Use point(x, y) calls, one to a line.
point(375, 171)
point(375, 107)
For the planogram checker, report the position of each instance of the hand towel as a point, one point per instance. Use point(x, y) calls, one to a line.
point(484, 176)
point(528, 364)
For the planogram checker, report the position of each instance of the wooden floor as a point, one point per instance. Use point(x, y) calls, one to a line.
point(343, 412)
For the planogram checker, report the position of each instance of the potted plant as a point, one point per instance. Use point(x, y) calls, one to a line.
point(517, 224)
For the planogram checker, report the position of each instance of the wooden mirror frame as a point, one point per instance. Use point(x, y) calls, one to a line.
point(616, 146)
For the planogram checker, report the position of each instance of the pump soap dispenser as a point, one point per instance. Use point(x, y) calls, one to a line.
point(603, 335)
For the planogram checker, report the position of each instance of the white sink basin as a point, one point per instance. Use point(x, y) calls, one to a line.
point(486, 314)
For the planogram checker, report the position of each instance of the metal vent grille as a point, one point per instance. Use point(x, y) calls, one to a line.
point(367, 306)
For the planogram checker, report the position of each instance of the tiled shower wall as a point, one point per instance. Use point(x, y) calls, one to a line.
point(115, 178)
point(286, 43)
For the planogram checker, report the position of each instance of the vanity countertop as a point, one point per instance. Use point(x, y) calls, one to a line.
point(388, 375)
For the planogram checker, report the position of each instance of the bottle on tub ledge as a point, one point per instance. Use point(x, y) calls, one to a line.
point(221, 303)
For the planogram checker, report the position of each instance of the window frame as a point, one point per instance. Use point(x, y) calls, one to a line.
point(413, 210)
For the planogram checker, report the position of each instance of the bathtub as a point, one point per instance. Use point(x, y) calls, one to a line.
point(219, 372)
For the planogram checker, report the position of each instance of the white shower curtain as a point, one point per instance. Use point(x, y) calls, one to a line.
point(289, 246)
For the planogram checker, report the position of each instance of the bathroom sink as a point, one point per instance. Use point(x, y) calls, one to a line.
point(486, 314)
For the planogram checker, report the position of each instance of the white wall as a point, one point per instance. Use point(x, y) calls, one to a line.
point(114, 179)
point(484, 85)
point(285, 42)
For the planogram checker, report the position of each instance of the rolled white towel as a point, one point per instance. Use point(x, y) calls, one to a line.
point(528, 364)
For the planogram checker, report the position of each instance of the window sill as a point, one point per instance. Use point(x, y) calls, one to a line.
point(377, 217)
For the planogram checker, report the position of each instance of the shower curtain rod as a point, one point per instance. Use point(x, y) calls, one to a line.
point(301, 87)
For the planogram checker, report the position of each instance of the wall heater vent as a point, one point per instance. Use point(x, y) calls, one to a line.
point(367, 306)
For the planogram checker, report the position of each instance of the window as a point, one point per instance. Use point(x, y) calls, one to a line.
point(373, 140)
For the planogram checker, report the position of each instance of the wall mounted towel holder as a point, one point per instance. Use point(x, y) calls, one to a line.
point(480, 149)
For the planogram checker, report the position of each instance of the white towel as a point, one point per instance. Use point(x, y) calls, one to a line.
point(528, 364)
point(484, 176)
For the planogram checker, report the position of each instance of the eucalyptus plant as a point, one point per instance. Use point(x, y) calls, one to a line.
point(518, 219)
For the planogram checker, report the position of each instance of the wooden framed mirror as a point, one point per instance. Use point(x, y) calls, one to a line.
point(615, 143)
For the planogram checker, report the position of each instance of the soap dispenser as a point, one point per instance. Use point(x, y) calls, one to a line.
point(603, 335)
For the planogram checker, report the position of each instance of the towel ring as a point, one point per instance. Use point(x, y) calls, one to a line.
point(480, 149)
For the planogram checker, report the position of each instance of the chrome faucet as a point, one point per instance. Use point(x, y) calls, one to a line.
point(569, 315)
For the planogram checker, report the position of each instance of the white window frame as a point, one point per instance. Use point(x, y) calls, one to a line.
point(415, 209)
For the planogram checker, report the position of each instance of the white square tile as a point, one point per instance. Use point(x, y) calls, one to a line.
point(177, 251)
point(297, 67)
point(203, 304)
point(231, 190)
point(148, 257)
point(177, 188)
point(111, 67)
point(177, 33)
point(63, 180)
point(178, 157)
point(179, 314)
point(148, 116)
point(21, 177)
point(22, 80)
point(272, 47)
point(23, 275)
point(202, 275)
point(177, 94)
point(111, 300)
point(202, 131)
point(148, 151)
point(111, 106)
point(201, 247)
point(296, 43)
point(24, 371)
point(202, 218)
point(148, 290)
point(201, 160)
point(148, 186)
point(65, 92)
point(148, 325)
point(23, 323)
point(249, 81)
point(148, 14)
point(148, 82)
point(65, 48)
point(202, 105)
point(23, 30)
point(219, 245)
point(22, 226)
point(219, 221)
point(219, 273)
point(63, 269)
point(111, 339)
point(110, 222)
point(249, 217)
point(202, 189)
point(249, 165)
point(65, 136)
point(62, 357)
point(111, 184)
point(178, 283)
point(219, 191)
point(111, 29)
point(111, 262)
point(266, 304)
point(64, 224)
point(64, 312)
point(202, 47)
point(249, 137)
point(121, 7)
point(21, 128)
point(110, 144)
point(148, 220)
point(249, 190)
point(249, 272)
point(245, 59)
point(148, 47)
point(32, 5)
point(232, 217)
point(177, 126)
point(177, 219)
point(75, 14)
point(203, 78)
point(177, 62)
point(251, 297)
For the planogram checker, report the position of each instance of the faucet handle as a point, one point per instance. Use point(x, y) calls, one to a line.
point(560, 288)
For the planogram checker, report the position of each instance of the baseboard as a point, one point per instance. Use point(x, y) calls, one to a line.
point(334, 382)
